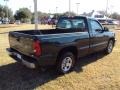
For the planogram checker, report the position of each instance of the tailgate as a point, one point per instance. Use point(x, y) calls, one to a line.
point(21, 42)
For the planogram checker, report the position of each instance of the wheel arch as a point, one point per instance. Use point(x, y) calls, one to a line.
point(72, 49)
point(113, 39)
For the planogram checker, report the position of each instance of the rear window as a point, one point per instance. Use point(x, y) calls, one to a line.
point(78, 23)
point(71, 23)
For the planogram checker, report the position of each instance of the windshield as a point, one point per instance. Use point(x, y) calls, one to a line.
point(71, 23)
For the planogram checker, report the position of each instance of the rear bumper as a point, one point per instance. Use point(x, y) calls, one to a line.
point(31, 62)
point(22, 59)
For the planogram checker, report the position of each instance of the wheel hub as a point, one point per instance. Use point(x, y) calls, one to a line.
point(66, 64)
point(110, 47)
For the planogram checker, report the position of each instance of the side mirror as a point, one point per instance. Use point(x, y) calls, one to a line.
point(106, 29)
point(99, 30)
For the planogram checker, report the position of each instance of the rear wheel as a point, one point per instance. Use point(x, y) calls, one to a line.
point(66, 62)
point(109, 47)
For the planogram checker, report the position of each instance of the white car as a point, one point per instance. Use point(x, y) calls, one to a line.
point(116, 22)
point(0, 22)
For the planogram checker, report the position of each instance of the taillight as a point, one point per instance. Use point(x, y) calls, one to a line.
point(37, 48)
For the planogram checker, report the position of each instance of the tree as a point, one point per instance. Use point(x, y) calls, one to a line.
point(23, 14)
point(41, 16)
point(57, 15)
point(102, 12)
point(12, 19)
point(89, 14)
point(67, 14)
point(115, 15)
point(5, 12)
point(8, 12)
point(84, 14)
point(2, 14)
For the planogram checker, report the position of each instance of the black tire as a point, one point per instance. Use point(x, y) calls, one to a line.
point(109, 47)
point(66, 60)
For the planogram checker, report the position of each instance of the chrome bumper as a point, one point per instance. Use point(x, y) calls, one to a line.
point(24, 62)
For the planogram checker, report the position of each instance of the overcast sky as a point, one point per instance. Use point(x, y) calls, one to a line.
point(50, 5)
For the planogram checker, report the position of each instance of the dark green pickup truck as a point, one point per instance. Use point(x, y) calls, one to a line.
point(73, 37)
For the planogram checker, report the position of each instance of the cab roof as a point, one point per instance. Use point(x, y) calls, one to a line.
point(75, 17)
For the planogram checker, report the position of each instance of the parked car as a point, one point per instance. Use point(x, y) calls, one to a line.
point(18, 22)
point(73, 37)
point(11, 22)
point(116, 22)
point(52, 21)
point(0, 22)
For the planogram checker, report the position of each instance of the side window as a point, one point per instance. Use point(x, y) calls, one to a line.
point(95, 25)
point(78, 23)
point(64, 24)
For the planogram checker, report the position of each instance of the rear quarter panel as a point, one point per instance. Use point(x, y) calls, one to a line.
point(53, 43)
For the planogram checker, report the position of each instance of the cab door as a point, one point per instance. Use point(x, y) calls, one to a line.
point(98, 39)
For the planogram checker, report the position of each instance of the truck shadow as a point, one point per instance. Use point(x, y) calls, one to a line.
point(17, 77)
point(87, 60)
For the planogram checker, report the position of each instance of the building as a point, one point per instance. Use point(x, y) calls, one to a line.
point(102, 18)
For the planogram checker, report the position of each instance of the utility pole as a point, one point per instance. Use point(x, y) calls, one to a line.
point(36, 15)
point(77, 4)
point(7, 10)
point(106, 10)
point(69, 7)
point(56, 10)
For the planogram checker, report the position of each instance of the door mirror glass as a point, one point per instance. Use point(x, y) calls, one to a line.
point(99, 30)
point(106, 29)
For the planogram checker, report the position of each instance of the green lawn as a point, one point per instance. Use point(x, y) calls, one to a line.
point(94, 72)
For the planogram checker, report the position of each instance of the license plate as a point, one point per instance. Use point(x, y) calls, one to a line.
point(18, 56)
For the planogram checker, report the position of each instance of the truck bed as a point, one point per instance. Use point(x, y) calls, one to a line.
point(22, 41)
point(50, 31)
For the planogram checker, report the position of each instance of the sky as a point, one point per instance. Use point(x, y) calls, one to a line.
point(63, 5)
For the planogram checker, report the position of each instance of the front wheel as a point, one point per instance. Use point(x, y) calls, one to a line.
point(66, 63)
point(109, 47)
